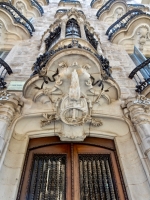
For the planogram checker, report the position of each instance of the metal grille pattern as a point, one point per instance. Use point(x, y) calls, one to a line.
point(96, 178)
point(48, 178)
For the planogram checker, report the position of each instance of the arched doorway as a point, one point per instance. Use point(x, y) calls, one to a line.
point(58, 170)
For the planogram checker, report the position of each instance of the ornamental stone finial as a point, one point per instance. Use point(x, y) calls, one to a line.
point(74, 92)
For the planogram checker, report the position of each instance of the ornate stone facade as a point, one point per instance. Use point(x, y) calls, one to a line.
point(77, 86)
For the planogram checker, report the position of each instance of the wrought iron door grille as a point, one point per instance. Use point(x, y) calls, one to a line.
point(96, 178)
point(48, 178)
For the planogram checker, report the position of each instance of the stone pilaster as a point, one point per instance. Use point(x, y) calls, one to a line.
point(139, 113)
point(9, 105)
point(63, 29)
point(83, 36)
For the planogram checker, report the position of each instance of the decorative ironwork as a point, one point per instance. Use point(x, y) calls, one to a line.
point(53, 37)
point(124, 21)
point(136, 5)
point(90, 38)
point(106, 6)
point(43, 59)
point(47, 178)
point(92, 2)
point(65, 10)
point(37, 5)
point(97, 177)
point(4, 69)
point(72, 1)
point(72, 28)
point(144, 80)
point(17, 16)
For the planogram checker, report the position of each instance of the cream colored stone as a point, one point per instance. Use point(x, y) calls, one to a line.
point(14, 160)
point(130, 145)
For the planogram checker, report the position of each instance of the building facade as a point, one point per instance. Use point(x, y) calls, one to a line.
point(74, 100)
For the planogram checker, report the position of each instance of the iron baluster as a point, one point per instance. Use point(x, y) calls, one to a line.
point(90, 179)
point(110, 180)
point(48, 178)
point(39, 179)
point(33, 180)
point(85, 175)
point(106, 187)
point(95, 179)
point(81, 180)
point(100, 181)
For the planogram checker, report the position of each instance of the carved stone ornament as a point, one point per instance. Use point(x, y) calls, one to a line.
point(48, 119)
point(137, 109)
point(4, 95)
point(74, 108)
point(142, 100)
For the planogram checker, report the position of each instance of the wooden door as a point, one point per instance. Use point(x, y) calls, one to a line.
point(55, 170)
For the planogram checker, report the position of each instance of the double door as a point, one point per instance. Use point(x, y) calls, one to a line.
point(71, 171)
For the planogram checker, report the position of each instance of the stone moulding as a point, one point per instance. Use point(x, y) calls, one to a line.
point(14, 13)
point(109, 5)
point(72, 3)
point(97, 3)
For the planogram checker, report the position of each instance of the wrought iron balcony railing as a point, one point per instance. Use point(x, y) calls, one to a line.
point(124, 21)
point(90, 38)
point(72, 1)
point(37, 5)
point(4, 69)
point(43, 59)
point(17, 16)
point(136, 5)
point(141, 75)
point(106, 6)
point(52, 38)
point(92, 2)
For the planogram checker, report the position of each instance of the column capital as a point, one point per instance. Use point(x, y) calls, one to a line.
point(138, 109)
point(9, 104)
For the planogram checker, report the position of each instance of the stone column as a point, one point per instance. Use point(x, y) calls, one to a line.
point(83, 35)
point(8, 107)
point(63, 29)
point(139, 112)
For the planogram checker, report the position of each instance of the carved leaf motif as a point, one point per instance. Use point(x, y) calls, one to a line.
point(48, 119)
point(95, 122)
